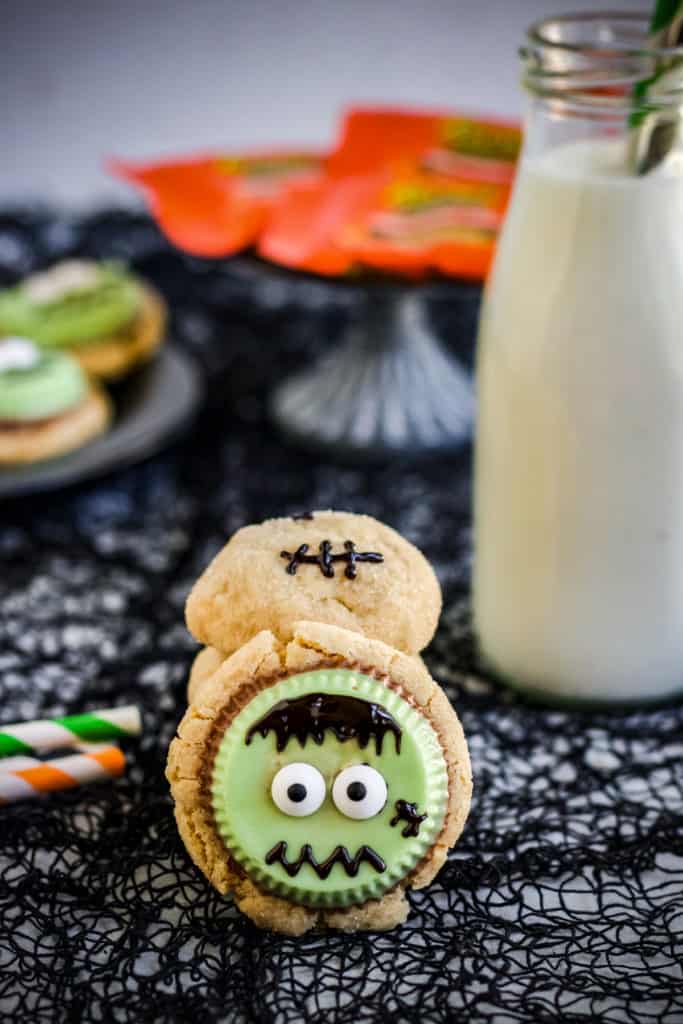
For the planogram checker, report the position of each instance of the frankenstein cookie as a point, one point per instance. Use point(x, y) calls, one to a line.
point(320, 779)
point(99, 312)
point(331, 567)
point(47, 405)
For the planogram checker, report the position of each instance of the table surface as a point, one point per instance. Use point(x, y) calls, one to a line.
point(563, 899)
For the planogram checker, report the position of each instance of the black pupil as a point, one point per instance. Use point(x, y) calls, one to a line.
point(296, 792)
point(356, 791)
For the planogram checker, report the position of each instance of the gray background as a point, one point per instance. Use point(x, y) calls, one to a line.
point(81, 79)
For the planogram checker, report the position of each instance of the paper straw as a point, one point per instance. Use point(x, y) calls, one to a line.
point(656, 133)
point(31, 778)
point(21, 761)
point(94, 726)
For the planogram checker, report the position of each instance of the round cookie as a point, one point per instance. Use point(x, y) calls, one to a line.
point(47, 405)
point(332, 567)
point(320, 780)
point(99, 312)
point(114, 355)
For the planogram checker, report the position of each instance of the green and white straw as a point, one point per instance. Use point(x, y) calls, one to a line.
point(71, 731)
point(655, 133)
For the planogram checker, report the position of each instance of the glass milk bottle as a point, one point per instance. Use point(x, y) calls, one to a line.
point(578, 578)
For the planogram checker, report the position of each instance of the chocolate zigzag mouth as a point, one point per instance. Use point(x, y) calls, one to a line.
point(340, 855)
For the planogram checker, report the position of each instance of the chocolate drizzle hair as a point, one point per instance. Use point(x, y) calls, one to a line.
point(340, 855)
point(408, 812)
point(309, 716)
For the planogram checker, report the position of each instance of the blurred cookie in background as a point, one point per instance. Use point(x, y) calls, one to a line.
point(48, 405)
point(101, 313)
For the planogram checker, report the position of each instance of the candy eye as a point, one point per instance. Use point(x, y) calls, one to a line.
point(298, 789)
point(359, 791)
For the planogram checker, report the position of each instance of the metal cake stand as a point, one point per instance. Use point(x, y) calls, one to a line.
point(391, 386)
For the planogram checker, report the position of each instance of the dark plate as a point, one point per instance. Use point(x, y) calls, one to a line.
point(151, 408)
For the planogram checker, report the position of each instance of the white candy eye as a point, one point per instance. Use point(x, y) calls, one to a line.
point(359, 791)
point(298, 789)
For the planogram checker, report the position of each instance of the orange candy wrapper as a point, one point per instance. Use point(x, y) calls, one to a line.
point(403, 192)
point(394, 221)
point(457, 145)
point(217, 205)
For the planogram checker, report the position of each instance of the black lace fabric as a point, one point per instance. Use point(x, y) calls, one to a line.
point(563, 901)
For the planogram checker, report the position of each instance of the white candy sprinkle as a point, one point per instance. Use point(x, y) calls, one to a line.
point(62, 279)
point(18, 354)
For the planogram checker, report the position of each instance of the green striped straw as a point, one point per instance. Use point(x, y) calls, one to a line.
point(71, 731)
point(655, 133)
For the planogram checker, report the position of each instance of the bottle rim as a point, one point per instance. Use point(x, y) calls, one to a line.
point(593, 61)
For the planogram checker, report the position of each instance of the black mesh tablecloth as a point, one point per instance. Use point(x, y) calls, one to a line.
point(562, 902)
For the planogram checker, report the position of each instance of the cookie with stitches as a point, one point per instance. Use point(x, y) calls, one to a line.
point(339, 568)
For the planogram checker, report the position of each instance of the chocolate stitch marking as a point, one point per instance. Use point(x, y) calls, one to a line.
point(408, 812)
point(326, 558)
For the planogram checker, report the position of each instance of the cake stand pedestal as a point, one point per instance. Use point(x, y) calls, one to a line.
point(390, 388)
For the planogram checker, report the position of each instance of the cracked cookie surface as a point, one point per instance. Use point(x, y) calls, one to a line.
point(276, 573)
point(203, 667)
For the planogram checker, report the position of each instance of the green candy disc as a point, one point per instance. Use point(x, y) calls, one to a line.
point(325, 857)
point(54, 383)
point(78, 316)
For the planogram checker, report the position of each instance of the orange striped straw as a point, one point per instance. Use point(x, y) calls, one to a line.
point(25, 778)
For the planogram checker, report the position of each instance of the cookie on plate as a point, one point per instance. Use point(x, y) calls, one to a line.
point(332, 567)
point(47, 404)
point(99, 312)
point(320, 779)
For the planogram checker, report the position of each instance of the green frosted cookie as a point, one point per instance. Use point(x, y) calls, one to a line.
point(318, 781)
point(329, 788)
point(36, 385)
point(71, 304)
